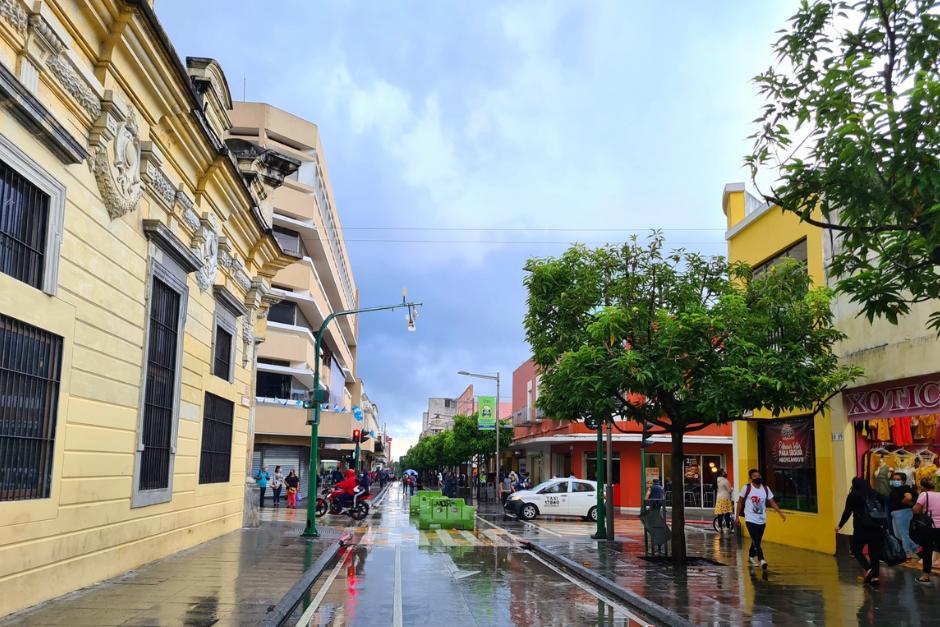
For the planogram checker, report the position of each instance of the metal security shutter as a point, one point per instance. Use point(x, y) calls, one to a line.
point(255, 462)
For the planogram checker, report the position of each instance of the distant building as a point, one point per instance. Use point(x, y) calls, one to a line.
point(320, 281)
point(441, 411)
point(548, 448)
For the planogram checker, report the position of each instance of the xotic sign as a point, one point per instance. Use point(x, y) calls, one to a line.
point(904, 397)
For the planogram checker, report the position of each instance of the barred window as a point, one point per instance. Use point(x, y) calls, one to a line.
point(30, 367)
point(216, 458)
point(222, 362)
point(24, 217)
point(160, 392)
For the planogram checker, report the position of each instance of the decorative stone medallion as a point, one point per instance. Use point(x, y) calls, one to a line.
point(206, 246)
point(115, 143)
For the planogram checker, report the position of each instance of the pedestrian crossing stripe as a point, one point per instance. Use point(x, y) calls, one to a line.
point(384, 536)
point(446, 538)
point(469, 537)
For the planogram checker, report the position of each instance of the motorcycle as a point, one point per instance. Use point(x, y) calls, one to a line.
point(329, 504)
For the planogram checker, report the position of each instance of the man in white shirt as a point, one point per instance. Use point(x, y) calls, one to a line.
point(752, 504)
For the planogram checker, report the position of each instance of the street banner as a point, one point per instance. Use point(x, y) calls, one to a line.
point(486, 416)
point(789, 443)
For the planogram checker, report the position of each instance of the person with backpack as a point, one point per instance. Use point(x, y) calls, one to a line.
point(928, 503)
point(262, 479)
point(752, 505)
point(869, 518)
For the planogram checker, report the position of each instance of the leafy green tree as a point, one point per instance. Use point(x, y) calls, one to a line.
point(852, 123)
point(679, 341)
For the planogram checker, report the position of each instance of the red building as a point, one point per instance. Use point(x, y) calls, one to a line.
point(553, 448)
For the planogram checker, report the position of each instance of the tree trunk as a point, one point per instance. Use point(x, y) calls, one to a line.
point(678, 498)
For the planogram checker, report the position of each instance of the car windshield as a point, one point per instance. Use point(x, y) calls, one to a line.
point(544, 485)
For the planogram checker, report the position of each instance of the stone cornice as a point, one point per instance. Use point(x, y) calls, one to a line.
point(31, 113)
point(163, 237)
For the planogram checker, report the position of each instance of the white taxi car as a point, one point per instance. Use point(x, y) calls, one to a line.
point(555, 497)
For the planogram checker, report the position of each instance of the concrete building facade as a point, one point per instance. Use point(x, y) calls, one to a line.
point(136, 255)
point(306, 222)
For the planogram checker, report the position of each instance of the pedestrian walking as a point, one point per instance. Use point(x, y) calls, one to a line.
point(277, 485)
point(656, 496)
point(752, 505)
point(929, 503)
point(724, 506)
point(262, 479)
point(901, 505)
point(293, 484)
point(865, 507)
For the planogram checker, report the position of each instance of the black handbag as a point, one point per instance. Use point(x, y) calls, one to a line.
point(892, 553)
point(921, 529)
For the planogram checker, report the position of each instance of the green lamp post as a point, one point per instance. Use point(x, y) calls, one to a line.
point(319, 396)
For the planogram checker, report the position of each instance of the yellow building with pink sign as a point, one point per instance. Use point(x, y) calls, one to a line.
point(887, 421)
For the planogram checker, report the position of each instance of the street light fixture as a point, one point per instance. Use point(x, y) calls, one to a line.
point(310, 531)
point(490, 377)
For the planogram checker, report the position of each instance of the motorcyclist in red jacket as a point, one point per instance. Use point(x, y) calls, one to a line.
point(345, 489)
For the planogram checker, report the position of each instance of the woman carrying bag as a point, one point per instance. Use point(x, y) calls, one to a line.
point(925, 526)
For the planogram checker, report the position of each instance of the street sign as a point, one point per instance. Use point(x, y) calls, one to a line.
point(486, 419)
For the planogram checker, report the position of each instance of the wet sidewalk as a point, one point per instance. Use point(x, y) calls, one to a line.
point(234, 579)
point(800, 587)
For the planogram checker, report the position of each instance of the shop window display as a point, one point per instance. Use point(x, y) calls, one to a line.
point(905, 444)
point(787, 455)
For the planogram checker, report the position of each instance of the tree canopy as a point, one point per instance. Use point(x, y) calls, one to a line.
point(677, 340)
point(455, 446)
point(852, 123)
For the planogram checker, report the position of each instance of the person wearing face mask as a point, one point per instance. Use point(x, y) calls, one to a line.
point(752, 504)
point(900, 504)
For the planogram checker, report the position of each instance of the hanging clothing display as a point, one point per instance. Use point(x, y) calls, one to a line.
point(881, 428)
point(901, 431)
point(926, 428)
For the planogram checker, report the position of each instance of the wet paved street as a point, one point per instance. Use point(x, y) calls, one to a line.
point(397, 575)
point(800, 588)
point(394, 574)
point(231, 580)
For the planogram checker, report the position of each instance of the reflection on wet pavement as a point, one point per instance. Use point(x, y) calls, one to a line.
point(448, 577)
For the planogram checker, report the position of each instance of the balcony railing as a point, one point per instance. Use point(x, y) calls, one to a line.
point(521, 417)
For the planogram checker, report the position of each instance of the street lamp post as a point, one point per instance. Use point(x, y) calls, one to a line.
point(310, 531)
point(490, 377)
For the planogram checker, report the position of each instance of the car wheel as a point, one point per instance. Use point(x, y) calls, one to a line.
point(592, 514)
point(528, 512)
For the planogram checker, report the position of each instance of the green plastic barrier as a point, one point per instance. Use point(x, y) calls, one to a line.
point(421, 498)
point(446, 513)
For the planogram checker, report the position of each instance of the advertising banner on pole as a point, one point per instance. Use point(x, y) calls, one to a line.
point(486, 417)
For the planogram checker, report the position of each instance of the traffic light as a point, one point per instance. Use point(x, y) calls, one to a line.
point(356, 435)
point(364, 435)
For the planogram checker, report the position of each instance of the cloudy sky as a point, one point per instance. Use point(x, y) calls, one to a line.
point(463, 138)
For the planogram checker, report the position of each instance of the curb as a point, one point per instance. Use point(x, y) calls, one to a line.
point(278, 614)
point(630, 598)
point(379, 496)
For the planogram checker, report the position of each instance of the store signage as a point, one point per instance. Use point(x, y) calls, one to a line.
point(903, 397)
point(486, 418)
point(789, 444)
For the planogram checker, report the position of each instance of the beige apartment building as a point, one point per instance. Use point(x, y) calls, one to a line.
point(136, 256)
point(307, 224)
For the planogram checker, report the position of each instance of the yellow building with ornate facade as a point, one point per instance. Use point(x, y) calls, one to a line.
point(136, 257)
